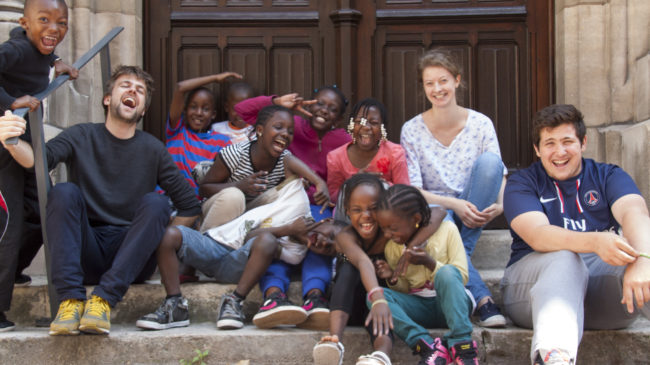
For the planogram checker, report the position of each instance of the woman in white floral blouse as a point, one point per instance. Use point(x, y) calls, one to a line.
point(453, 156)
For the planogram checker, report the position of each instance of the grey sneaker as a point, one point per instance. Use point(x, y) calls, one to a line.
point(230, 313)
point(173, 312)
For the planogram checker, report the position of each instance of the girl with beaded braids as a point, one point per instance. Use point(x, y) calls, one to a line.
point(369, 150)
point(315, 134)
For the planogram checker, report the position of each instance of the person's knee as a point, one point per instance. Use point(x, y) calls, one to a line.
point(490, 165)
point(447, 273)
point(232, 198)
point(65, 193)
point(570, 263)
point(266, 244)
point(154, 203)
point(172, 239)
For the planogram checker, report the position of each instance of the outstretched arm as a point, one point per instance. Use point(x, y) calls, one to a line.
point(178, 99)
point(380, 316)
point(296, 167)
point(14, 126)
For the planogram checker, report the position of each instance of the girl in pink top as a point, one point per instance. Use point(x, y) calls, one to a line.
point(369, 150)
point(313, 138)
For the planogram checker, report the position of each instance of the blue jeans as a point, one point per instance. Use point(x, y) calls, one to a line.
point(316, 274)
point(482, 190)
point(450, 308)
point(112, 257)
point(215, 260)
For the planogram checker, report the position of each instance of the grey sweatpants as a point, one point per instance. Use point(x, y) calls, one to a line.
point(558, 294)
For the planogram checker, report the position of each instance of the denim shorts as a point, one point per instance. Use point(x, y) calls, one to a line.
point(212, 258)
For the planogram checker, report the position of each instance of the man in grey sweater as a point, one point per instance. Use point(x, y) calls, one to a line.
point(104, 225)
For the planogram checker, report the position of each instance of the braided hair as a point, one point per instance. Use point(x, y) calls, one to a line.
point(406, 201)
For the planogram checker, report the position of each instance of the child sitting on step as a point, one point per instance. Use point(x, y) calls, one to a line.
point(192, 111)
point(358, 245)
point(432, 292)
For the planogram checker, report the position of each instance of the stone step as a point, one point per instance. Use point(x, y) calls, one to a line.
point(492, 250)
point(129, 345)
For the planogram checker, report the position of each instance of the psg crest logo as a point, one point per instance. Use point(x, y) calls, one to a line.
point(591, 198)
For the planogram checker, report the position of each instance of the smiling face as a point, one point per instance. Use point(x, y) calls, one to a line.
point(45, 23)
point(200, 111)
point(276, 133)
point(126, 102)
point(440, 86)
point(397, 227)
point(560, 151)
point(367, 129)
point(361, 210)
point(326, 111)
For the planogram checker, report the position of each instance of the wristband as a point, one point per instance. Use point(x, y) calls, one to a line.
point(378, 301)
point(373, 291)
point(643, 254)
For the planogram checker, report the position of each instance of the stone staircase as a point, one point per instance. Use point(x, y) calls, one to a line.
point(127, 344)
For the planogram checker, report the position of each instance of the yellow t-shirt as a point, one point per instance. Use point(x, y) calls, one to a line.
point(445, 246)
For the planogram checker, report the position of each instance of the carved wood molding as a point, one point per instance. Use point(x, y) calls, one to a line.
point(458, 14)
point(249, 18)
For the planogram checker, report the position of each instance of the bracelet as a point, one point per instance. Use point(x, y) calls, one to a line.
point(643, 254)
point(373, 291)
point(379, 301)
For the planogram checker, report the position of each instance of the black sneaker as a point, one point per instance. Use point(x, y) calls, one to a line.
point(490, 315)
point(22, 280)
point(230, 313)
point(465, 353)
point(432, 354)
point(318, 313)
point(173, 312)
point(278, 310)
point(5, 324)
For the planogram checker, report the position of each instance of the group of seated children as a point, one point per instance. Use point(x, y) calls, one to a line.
point(255, 229)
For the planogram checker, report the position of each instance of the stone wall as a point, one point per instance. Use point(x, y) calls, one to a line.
point(602, 61)
point(80, 101)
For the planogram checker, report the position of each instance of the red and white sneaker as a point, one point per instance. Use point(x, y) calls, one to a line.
point(277, 310)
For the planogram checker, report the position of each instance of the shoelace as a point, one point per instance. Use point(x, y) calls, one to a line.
point(97, 306)
point(231, 308)
point(70, 310)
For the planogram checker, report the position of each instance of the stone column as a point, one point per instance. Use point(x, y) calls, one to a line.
point(81, 101)
point(603, 68)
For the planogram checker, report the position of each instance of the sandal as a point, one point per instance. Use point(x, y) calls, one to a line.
point(376, 358)
point(328, 353)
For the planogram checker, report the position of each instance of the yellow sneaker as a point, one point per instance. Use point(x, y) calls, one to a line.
point(66, 321)
point(97, 317)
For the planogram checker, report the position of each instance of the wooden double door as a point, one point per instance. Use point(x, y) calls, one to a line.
point(367, 48)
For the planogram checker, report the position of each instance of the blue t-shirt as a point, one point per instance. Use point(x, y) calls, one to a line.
point(582, 203)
